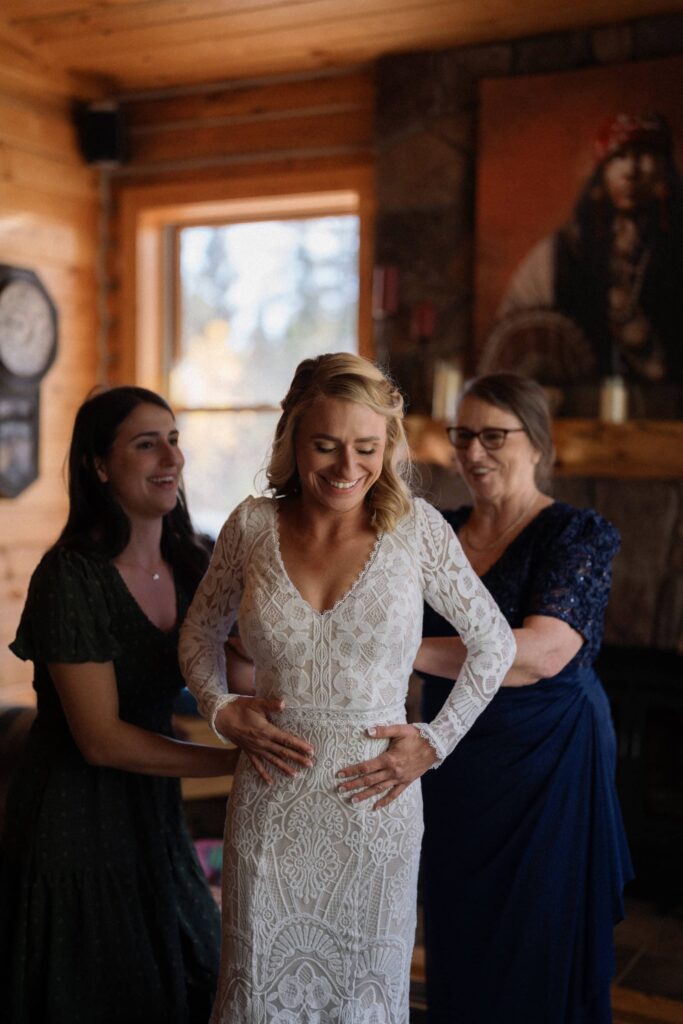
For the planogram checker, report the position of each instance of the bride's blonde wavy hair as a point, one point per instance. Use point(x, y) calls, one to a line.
point(354, 379)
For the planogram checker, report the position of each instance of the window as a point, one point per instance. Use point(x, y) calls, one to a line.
point(255, 298)
point(227, 283)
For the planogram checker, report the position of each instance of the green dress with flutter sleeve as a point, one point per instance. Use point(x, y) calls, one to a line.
point(106, 917)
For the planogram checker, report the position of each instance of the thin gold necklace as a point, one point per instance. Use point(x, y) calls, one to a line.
point(515, 522)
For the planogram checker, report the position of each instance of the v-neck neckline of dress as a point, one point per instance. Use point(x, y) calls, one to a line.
point(141, 612)
point(514, 540)
point(325, 612)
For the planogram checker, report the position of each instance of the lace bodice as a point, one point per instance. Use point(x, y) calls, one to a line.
point(357, 655)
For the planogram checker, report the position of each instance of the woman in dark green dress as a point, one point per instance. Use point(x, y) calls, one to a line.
point(106, 917)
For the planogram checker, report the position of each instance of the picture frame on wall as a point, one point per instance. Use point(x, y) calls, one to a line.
point(579, 236)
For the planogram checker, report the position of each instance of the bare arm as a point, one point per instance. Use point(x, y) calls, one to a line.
point(90, 700)
point(544, 646)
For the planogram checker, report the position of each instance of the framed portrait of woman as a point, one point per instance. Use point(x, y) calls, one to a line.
point(579, 234)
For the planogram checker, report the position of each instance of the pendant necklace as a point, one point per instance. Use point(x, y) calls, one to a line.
point(515, 522)
point(155, 576)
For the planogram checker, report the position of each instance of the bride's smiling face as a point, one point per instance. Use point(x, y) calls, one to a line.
point(339, 450)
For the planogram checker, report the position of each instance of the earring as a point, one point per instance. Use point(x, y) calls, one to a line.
point(101, 471)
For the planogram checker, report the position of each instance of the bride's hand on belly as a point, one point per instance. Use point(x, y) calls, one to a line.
point(407, 757)
point(245, 721)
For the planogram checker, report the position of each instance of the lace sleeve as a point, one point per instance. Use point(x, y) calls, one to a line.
point(201, 651)
point(454, 590)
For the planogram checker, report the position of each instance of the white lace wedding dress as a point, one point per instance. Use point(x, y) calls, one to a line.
point(319, 895)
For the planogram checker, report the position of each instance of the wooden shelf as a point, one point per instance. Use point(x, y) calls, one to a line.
point(636, 450)
point(197, 730)
point(206, 789)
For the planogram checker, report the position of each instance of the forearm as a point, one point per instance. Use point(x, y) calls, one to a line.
point(130, 748)
point(444, 656)
point(528, 666)
point(545, 645)
point(542, 651)
point(441, 656)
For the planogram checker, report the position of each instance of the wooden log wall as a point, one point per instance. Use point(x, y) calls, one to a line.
point(223, 134)
point(48, 223)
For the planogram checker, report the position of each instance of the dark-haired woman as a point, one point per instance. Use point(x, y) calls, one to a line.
point(524, 857)
point(106, 918)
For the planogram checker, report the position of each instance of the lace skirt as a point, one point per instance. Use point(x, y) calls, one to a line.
point(319, 895)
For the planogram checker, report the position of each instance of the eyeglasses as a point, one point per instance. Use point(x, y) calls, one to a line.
point(489, 438)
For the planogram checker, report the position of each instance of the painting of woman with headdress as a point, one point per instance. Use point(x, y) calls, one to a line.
point(601, 295)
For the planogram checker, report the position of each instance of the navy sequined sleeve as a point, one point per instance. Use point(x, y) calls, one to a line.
point(573, 573)
point(559, 566)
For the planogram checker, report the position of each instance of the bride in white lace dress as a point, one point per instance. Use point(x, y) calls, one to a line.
point(328, 579)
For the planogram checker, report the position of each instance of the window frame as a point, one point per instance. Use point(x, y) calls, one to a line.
point(151, 213)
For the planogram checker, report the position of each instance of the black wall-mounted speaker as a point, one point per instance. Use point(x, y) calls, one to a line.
point(101, 133)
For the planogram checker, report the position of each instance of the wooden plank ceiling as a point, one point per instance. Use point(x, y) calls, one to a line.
point(131, 45)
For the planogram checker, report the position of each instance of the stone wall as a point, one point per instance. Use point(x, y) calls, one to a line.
point(426, 138)
point(646, 606)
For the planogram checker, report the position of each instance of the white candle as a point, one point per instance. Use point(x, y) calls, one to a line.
point(447, 388)
point(613, 400)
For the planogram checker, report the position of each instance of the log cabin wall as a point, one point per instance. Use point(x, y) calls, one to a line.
point(48, 223)
point(50, 205)
point(230, 132)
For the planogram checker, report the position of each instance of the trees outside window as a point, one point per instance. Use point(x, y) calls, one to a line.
point(254, 299)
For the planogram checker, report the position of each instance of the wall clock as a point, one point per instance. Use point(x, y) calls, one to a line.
point(28, 346)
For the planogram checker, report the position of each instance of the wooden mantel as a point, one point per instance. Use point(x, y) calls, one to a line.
point(636, 450)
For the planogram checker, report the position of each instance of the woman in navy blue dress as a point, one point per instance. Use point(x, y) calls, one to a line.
point(524, 857)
